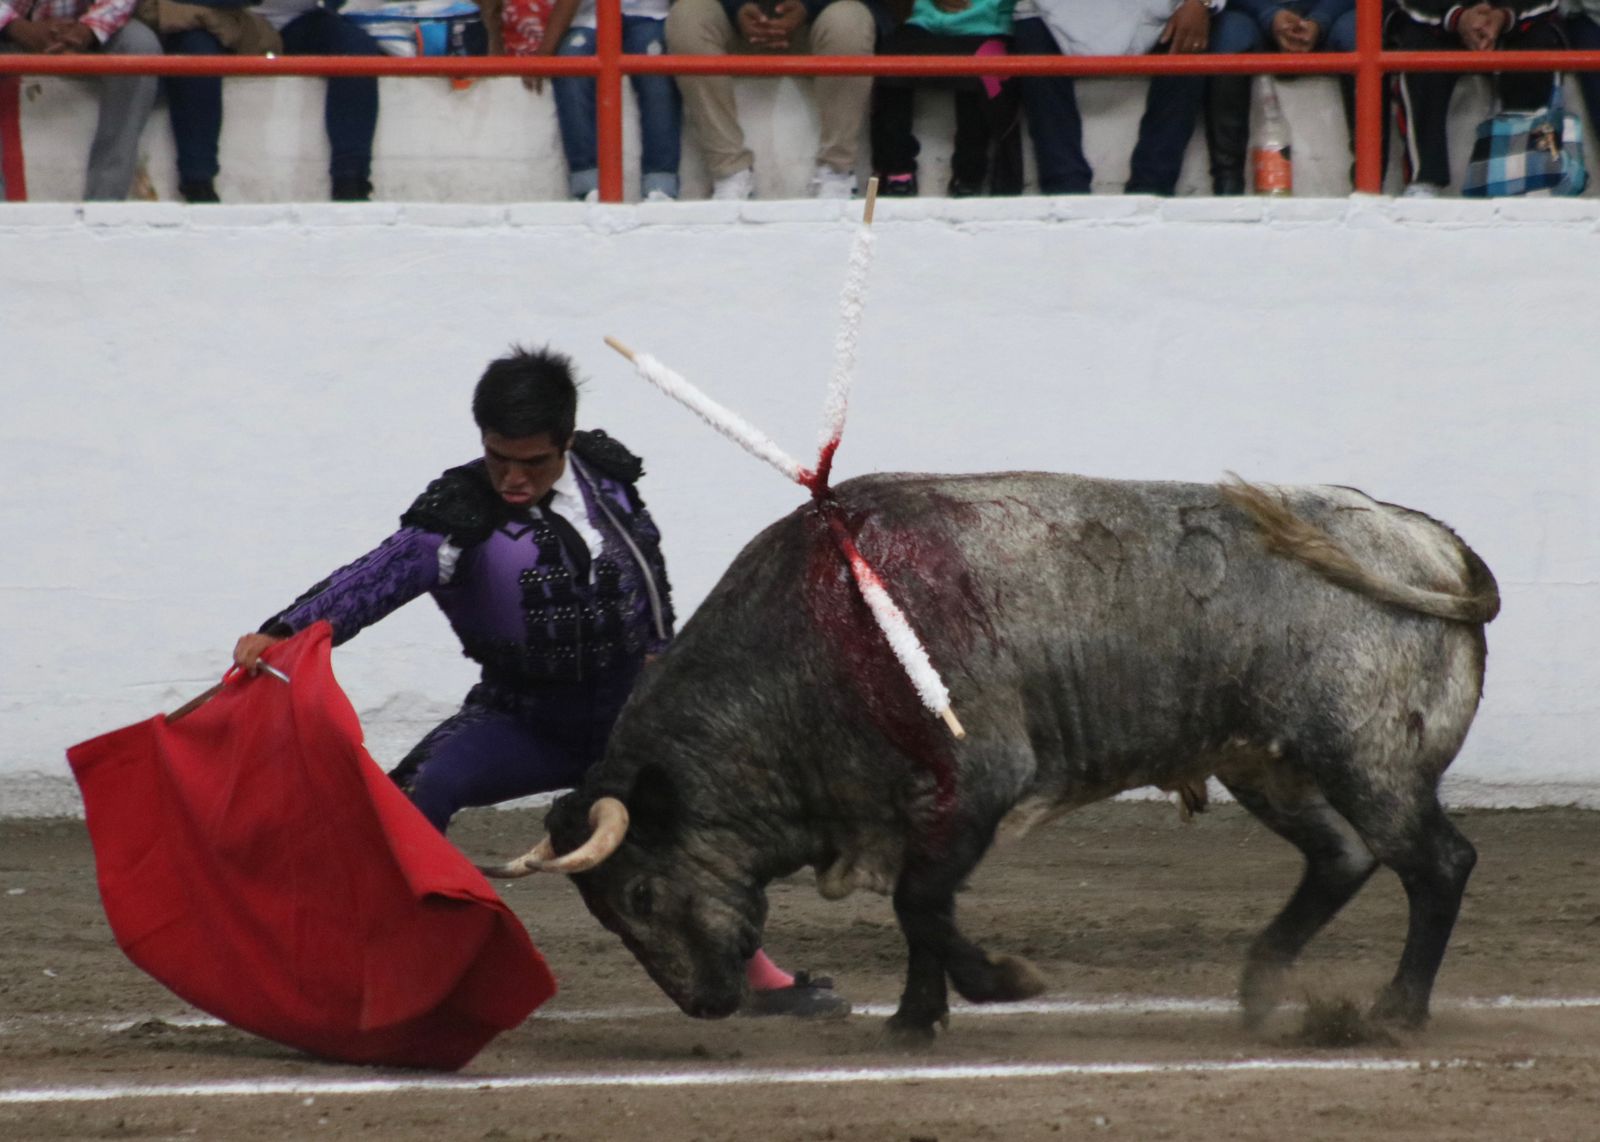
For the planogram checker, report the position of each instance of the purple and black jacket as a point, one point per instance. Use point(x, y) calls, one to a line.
point(503, 580)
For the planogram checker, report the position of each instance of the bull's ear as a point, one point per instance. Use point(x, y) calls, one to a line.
point(655, 806)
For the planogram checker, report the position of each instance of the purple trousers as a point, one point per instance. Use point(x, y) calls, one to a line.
point(507, 743)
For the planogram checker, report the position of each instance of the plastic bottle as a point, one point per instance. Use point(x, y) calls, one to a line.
point(1271, 161)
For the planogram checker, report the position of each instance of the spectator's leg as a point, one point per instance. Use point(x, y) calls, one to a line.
point(1004, 114)
point(894, 145)
point(195, 104)
point(1584, 35)
point(1228, 102)
point(350, 108)
point(575, 115)
point(1528, 90)
point(125, 103)
point(843, 28)
point(1051, 107)
point(660, 109)
point(702, 28)
point(1171, 107)
point(969, 162)
point(1424, 104)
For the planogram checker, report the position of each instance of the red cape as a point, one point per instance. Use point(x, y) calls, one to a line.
point(256, 861)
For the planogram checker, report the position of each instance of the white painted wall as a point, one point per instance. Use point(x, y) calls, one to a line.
point(208, 409)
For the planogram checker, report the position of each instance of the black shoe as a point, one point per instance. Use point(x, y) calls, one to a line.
point(959, 189)
point(1227, 186)
point(352, 190)
point(898, 185)
point(808, 998)
point(203, 190)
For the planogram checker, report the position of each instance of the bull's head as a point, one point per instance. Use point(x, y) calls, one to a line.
point(683, 904)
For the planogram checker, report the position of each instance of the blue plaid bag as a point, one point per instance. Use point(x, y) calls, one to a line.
point(1528, 152)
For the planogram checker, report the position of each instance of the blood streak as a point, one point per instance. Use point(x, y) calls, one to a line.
point(868, 662)
point(816, 479)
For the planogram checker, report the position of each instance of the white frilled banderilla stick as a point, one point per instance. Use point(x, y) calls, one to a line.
point(907, 647)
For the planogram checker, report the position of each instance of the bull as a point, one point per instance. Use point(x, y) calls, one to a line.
point(1316, 651)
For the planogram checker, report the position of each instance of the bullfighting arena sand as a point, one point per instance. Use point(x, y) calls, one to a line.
point(1139, 920)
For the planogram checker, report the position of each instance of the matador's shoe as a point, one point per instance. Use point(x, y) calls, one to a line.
point(809, 997)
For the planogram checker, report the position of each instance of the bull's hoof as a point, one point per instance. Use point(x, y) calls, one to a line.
point(908, 1030)
point(1398, 1009)
point(1261, 990)
point(1016, 978)
point(996, 979)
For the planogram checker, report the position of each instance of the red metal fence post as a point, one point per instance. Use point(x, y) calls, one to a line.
point(608, 97)
point(13, 170)
point(1370, 126)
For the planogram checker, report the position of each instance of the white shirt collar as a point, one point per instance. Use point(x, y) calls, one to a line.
point(568, 500)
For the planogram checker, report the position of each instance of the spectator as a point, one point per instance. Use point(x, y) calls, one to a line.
point(350, 109)
point(1583, 32)
point(1282, 26)
point(1116, 27)
point(571, 32)
point(821, 27)
point(987, 109)
point(1439, 25)
point(73, 27)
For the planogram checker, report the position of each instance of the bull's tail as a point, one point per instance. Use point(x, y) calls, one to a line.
point(1288, 535)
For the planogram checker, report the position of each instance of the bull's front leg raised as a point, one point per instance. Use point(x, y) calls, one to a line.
point(925, 906)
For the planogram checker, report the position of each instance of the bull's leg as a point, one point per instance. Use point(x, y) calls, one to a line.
point(924, 902)
point(1338, 863)
point(927, 920)
point(1433, 861)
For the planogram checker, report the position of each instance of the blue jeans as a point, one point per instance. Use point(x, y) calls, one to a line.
point(660, 111)
point(350, 110)
point(1171, 108)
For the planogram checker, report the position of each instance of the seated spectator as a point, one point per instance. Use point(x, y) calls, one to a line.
point(987, 109)
point(1438, 25)
point(1117, 27)
point(350, 110)
point(571, 32)
point(1279, 26)
point(73, 27)
point(820, 27)
point(1583, 33)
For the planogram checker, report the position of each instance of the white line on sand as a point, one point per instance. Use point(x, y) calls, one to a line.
point(701, 1078)
point(757, 1076)
point(1112, 1005)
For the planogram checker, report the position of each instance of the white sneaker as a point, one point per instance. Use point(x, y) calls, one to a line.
point(592, 196)
point(1422, 190)
point(829, 183)
point(736, 186)
point(659, 196)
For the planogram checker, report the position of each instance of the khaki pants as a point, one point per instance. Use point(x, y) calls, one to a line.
point(701, 27)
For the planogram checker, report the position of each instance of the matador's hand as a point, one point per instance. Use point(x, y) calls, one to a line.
point(248, 650)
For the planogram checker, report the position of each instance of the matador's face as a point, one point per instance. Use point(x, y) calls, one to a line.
point(524, 468)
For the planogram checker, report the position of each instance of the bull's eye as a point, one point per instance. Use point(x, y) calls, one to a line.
point(639, 898)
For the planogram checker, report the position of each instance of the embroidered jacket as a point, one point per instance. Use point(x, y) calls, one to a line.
point(504, 581)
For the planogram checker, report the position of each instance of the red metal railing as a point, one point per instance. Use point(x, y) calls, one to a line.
point(608, 67)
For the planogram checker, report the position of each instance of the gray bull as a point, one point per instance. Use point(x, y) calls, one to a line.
point(1316, 651)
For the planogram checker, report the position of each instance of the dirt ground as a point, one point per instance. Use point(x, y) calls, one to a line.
point(1115, 902)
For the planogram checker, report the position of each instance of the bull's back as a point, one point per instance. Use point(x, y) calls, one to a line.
point(1121, 627)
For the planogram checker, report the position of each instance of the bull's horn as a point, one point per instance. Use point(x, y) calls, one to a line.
point(608, 822)
point(533, 860)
